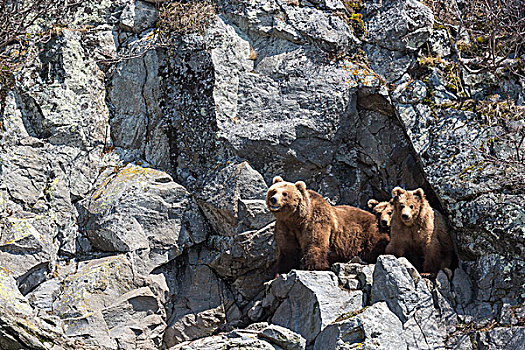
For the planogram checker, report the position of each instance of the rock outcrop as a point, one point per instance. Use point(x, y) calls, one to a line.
point(133, 175)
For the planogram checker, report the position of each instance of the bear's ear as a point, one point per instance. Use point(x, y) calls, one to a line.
point(397, 191)
point(372, 203)
point(301, 186)
point(419, 193)
point(277, 179)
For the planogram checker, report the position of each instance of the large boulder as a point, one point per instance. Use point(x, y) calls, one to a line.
point(376, 327)
point(203, 302)
point(142, 210)
point(256, 336)
point(308, 301)
point(398, 283)
point(103, 303)
point(27, 253)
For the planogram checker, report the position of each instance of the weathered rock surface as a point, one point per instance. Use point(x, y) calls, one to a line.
point(290, 111)
point(257, 336)
point(398, 284)
point(103, 302)
point(307, 301)
point(376, 327)
point(133, 178)
point(142, 210)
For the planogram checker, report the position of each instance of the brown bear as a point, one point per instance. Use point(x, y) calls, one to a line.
point(418, 231)
point(312, 234)
point(383, 211)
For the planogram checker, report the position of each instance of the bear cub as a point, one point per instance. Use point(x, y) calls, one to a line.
point(383, 211)
point(312, 234)
point(418, 230)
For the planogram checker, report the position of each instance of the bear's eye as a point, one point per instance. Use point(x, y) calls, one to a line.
point(401, 206)
point(285, 194)
point(411, 207)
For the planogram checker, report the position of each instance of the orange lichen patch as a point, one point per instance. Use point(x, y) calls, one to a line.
point(361, 75)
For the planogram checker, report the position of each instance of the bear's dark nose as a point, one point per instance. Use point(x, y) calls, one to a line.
point(404, 216)
point(384, 222)
point(273, 200)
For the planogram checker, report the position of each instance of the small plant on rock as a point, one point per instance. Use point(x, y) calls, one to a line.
point(178, 18)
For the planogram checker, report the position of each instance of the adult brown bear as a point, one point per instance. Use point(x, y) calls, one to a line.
point(312, 234)
point(418, 230)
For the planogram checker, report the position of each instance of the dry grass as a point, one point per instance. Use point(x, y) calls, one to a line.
point(179, 18)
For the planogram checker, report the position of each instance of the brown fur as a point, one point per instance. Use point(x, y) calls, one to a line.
point(383, 212)
point(312, 234)
point(422, 233)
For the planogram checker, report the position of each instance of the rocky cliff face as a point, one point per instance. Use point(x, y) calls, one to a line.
point(132, 186)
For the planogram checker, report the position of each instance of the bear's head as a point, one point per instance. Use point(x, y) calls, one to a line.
point(408, 204)
point(284, 198)
point(383, 211)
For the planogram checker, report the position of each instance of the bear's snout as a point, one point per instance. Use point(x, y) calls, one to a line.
point(405, 217)
point(384, 222)
point(273, 200)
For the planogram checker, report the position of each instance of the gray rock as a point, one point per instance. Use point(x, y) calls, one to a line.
point(329, 31)
point(138, 16)
point(135, 320)
point(376, 327)
point(233, 200)
point(444, 300)
point(410, 92)
point(400, 25)
point(241, 340)
point(391, 65)
point(502, 338)
point(354, 275)
point(62, 97)
point(26, 253)
point(439, 43)
point(408, 296)
point(231, 195)
point(137, 124)
point(260, 110)
point(12, 299)
point(247, 257)
point(511, 314)
point(333, 5)
point(44, 295)
point(312, 300)
point(394, 284)
point(203, 304)
point(142, 210)
point(20, 329)
point(471, 186)
point(256, 336)
point(102, 303)
point(263, 92)
point(460, 342)
point(462, 287)
point(283, 337)
point(417, 118)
